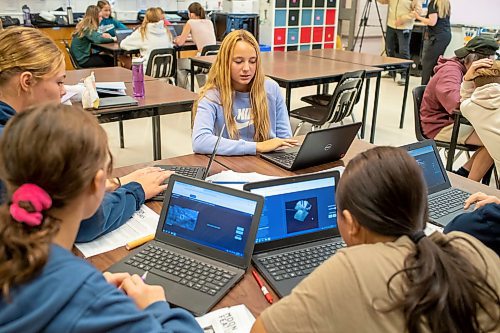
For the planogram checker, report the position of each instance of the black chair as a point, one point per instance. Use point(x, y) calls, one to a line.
point(202, 72)
point(340, 105)
point(70, 55)
point(418, 94)
point(162, 63)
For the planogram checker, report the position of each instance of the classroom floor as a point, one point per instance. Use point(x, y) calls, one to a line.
point(176, 129)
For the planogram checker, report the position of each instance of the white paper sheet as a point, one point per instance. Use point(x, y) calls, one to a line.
point(142, 223)
point(110, 85)
point(430, 228)
point(236, 180)
point(234, 319)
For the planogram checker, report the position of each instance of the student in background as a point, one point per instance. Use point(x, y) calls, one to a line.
point(85, 35)
point(238, 95)
point(437, 36)
point(480, 96)
point(483, 222)
point(202, 32)
point(52, 186)
point(150, 36)
point(399, 25)
point(392, 277)
point(442, 97)
point(38, 76)
point(107, 23)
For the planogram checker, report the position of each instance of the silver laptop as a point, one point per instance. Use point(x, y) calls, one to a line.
point(203, 243)
point(445, 201)
point(318, 147)
point(298, 227)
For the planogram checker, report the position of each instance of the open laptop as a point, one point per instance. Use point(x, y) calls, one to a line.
point(298, 227)
point(121, 34)
point(113, 102)
point(197, 172)
point(175, 29)
point(203, 243)
point(445, 201)
point(319, 147)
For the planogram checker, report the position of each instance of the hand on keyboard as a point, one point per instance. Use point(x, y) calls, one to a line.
point(480, 199)
point(141, 293)
point(273, 144)
point(151, 179)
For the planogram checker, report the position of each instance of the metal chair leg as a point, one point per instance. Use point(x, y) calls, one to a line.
point(122, 139)
point(297, 129)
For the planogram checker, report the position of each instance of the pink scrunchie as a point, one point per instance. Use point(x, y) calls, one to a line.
point(39, 199)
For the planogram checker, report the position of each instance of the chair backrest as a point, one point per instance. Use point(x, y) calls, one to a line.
point(345, 96)
point(71, 58)
point(162, 63)
point(210, 50)
point(418, 94)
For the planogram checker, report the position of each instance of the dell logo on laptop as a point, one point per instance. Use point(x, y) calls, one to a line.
point(328, 146)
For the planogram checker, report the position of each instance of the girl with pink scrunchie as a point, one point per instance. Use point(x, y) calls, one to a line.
point(54, 161)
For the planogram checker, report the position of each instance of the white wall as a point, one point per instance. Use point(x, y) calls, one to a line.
point(13, 7)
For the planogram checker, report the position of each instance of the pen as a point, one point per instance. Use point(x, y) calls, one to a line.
point(263, 288)
point(138, 242)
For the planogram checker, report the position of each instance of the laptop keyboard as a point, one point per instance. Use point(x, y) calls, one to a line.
point(447, 203)
point(188, 171)
point(289, 265)
point(286, 159)
point(187, 271)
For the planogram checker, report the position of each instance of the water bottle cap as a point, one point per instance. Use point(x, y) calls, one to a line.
point(138, 60)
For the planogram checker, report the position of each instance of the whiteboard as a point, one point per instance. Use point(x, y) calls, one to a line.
point(478, 13)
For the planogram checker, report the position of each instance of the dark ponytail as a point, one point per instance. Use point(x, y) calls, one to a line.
point(58, 149)
point(384, 190)
point(197, 9)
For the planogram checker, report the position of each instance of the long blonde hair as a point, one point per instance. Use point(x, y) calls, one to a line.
point(153, 15)
point(443, 7)
point(89, 23)
point(219, 78)
point(28, 50)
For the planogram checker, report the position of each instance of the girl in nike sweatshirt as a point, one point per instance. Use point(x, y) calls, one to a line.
point(238, 100)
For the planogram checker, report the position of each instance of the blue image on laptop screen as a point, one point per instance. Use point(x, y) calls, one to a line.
point(297, 208)
point(219, 220)
point(427, 160)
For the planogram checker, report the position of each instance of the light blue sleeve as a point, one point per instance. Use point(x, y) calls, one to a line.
point(207, 125)
point(118, 25)
point(283, 128)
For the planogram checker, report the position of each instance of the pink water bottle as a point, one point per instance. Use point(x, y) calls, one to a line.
point(138, 77)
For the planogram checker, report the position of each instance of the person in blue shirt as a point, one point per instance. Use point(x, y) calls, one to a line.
point(107, 23)
point(238, 95)
point(483, 222)
point(37, 76)
point(53, 185)
point(86, 33)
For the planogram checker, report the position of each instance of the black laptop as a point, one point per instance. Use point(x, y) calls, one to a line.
point(319, 147)
point(445, 201)
point(203, 243)
point(298, 227)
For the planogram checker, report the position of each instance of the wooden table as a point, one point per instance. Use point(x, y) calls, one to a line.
point(103, 74)
point(115, 50)
point(373, 60)
point(160, 98)
point(247, 290)
point(294, 69)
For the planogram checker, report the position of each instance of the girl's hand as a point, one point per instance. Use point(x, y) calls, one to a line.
point(143, 294)
point(273, 144)
point(481, 63)
point(480, 199)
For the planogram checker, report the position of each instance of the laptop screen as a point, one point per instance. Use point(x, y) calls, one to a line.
point(211, 218)
point(297, 208)
point(428, 161)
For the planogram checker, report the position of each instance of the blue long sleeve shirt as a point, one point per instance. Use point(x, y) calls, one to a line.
point(116, 208)
point(70, 295)
point(109, 25)
point(209, 121)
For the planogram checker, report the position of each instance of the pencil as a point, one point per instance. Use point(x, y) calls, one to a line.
point(138, 242)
